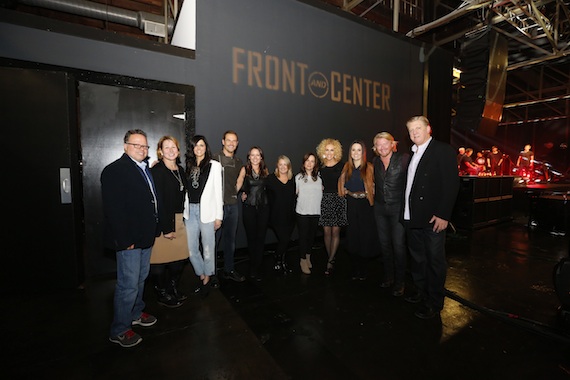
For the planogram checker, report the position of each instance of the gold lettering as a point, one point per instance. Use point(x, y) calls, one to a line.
point(335, 94)
point(386, 97)
point(271, 66)
point(346, 88)
point(279, 74)
point(237, 64)
point(357, 91)
point(303, 67)
point(254, 69)
point(367, 82)
point(376, 95)
point(288, 77)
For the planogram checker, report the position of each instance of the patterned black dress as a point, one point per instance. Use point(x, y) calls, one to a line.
point(333, 207)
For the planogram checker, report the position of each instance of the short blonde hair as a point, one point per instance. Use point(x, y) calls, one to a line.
point(336, 146)
point(382, 135)
point(288, 162)
point(421, 118)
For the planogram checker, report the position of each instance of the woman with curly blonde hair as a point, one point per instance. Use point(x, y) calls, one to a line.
point(333, 206)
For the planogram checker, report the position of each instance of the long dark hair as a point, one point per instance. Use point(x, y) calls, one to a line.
point(191, 158)
point(315, 172)
point(363, 164)
point(263, 172)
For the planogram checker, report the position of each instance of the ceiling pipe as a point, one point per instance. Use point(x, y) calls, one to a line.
point(465, 8)
point(137, 19)
point(538, 101)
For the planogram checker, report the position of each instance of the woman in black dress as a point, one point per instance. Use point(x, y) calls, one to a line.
point(255, 208)
point(282, 195)
point(333, 207)
point(356, 183)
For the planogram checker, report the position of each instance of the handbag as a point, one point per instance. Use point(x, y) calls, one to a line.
point(168, 250)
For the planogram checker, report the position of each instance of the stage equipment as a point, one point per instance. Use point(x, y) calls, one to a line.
point(483, 80)
point(483, 201)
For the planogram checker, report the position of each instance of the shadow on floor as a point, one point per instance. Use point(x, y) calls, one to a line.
point(500, 321)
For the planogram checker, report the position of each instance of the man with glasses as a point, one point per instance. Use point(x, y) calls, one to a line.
point(131, 224)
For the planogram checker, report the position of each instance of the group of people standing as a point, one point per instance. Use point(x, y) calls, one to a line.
point(489, 163)
point(156, 219)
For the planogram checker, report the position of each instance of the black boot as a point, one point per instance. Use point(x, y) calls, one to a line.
point(166, 299)
point(284, 267)
point(176, 269)
point(278, 266)
point(176, 292)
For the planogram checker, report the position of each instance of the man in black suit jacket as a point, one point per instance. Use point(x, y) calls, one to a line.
point(431, 189)
point(131, 225)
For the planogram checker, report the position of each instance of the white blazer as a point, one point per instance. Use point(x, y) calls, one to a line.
point(212, 199)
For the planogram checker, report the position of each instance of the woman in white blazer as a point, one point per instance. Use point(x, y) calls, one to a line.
point(203, 212)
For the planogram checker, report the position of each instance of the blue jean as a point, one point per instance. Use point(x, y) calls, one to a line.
point(227, 234)
point(203, 262)
point(133, 266)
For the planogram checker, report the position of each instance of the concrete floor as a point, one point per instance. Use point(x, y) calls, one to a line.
point(500, 321)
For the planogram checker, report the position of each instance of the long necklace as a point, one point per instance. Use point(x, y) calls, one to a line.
point(195, 175)
point(176, 175)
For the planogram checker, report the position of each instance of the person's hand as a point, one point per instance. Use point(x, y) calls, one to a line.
point(131, 246)
point(438, 224)
point(243, 197)
point(170, 235)
point(217, 224)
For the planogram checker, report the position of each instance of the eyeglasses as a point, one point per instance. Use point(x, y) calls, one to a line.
point(139, 146)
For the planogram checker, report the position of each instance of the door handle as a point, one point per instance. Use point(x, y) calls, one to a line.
point(65, 182)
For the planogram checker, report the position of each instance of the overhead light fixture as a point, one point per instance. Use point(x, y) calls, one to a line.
point(181, 116)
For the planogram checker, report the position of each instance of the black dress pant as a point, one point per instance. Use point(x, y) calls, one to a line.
point(255, 221)
point(428, 264)
point(307, 226)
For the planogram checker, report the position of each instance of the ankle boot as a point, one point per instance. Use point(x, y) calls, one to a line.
point(284, 267)
point(166, 299)
point(278, 266)
point(176, 292)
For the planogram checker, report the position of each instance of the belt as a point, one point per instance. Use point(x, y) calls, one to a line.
point(357, 194)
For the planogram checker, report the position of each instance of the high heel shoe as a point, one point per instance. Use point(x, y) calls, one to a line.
point(330, 267)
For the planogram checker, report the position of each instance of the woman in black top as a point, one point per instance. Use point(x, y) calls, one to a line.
point(282, 195)
point(255, 208)
point(333, 207)
point(169, 254)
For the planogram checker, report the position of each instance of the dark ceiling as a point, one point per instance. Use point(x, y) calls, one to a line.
point(537, 33)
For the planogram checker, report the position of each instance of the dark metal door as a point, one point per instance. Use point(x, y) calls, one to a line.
point(106, 112)
point(41, 249)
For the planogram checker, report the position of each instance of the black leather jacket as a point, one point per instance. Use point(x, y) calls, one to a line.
point(390, 184)
point(255, 190)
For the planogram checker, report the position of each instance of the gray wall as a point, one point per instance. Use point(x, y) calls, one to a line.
point(287, 31)
point(245, 51)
